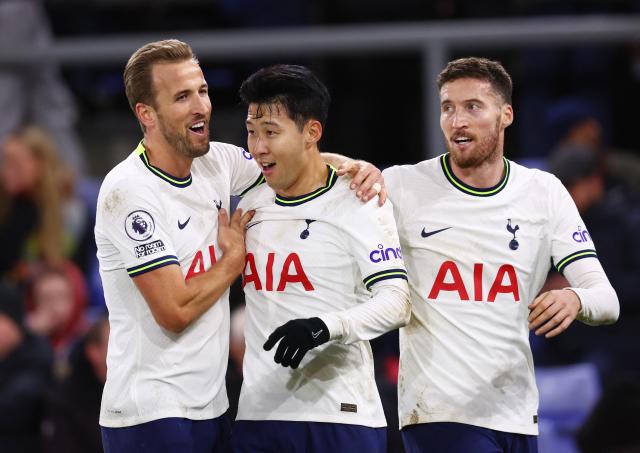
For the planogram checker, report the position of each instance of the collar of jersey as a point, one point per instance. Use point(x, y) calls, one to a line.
point(173, 180)
point(470, 190)
point(332, 177)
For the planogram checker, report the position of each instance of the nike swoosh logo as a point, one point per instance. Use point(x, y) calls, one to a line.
point(316, 334)
point(426, 234)
point(252, 224)
point(182, 225)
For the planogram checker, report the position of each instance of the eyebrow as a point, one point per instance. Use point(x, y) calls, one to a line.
point(449, 101)
point(265, 123)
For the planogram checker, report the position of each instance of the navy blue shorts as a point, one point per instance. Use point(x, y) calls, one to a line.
point(170, 435)
point(446, 437)
point(306, 437)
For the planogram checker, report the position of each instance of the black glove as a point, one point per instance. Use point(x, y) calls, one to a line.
point(298, 337)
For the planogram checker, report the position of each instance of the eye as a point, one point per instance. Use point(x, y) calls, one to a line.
point(474, 106)
point(181, 97)
point(271, 133)
point(250, 132)
point(447, 108)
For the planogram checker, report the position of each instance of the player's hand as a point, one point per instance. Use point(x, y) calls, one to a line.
point(231, 233)
point(297, 337)
point(366, 180)
point(552, 312)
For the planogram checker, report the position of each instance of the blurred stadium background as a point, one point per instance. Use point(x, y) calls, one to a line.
point(576, 72)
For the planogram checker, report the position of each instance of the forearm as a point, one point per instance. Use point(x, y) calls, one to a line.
point(335, 160)
point(598, 300)
point(176, 303)
point(389, 308)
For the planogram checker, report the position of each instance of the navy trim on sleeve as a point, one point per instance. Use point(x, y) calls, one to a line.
point(152, 265)
point(384, 275)
point(564, 262)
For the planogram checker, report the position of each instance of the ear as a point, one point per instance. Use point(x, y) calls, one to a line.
point(313, 132)
point(507, 115)
point(146, 114)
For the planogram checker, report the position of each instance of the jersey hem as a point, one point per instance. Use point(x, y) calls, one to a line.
point(173, 413)
point(507, 428)
point(321, 418)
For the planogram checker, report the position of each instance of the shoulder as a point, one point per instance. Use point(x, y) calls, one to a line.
point(346, 205)
point(534, 180)
point(260, 196)
point(399, 175)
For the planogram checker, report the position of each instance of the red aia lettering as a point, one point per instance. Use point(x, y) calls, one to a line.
point(197, 265)
point(455, 282)
point(250, 274)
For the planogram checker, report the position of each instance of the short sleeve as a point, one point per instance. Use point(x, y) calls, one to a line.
point(245, 174)
point(570, 239)
point(131, 230)
point(374, 242)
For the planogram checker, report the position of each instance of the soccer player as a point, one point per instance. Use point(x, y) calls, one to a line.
point(323, 275)
point(168, 253)
point(479, 234)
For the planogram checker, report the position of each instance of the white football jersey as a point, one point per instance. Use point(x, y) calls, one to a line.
point(476, 258)
point(308, 256)
point(147, 219)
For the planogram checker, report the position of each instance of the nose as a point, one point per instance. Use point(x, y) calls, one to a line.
point(459, 119)
point(202, 105)
point(259, 147)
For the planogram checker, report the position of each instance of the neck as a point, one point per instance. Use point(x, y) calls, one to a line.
point(313, 176)
point(163, 156)
point(487, 174)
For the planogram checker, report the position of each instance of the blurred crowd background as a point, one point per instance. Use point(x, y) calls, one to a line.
point(64, 124)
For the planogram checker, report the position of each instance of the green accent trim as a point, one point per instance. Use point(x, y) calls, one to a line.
point(574, 257)
point(473, 190)
point(384, 276)
point(141, 151)
point(332, 177)
point(141, 270)
point(256, 183)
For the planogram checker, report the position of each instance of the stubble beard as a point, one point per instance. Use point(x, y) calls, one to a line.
point(181, 144)
point(487, 150)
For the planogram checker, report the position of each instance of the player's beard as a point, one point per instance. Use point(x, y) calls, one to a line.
point(179, 141)
point(486, 150)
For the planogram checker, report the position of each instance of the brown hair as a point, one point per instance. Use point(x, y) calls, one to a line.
point(481, 69)
point(137, 72)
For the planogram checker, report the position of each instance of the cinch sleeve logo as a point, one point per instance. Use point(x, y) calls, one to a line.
point(385, 254)
point(581, 235)
point(139, 225)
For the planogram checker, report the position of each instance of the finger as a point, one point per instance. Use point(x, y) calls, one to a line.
point(286, 358)
point(561, 328)
point(539, 305)
point(382, 196)
point(295, 360)
point(556, 320)
point(551, 310)
point(273, 339)
point(223, 217)
point(280, 352)
point(235, 217)
point(344, 168)
point(365, 179)
point(246, 217)
point(538, 299)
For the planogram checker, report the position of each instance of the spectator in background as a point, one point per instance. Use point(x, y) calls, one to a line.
point(35, 92)
point(40, 217)
point(58, 296)
point(71, 424)
point(31, 221)
point(575, 121)
point(25, 364)
point(613, 224)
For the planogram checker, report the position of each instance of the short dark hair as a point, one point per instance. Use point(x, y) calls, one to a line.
point(294, 87)
point(479, 68)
